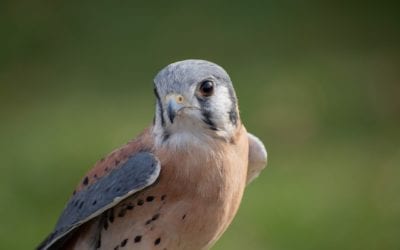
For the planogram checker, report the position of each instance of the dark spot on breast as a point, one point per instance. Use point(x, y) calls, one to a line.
point(116, 248)
point(86, 181)
point(184, 216)
point(138, 239)
point(129, 206)
point(116, 162)
point(163, 197)
point(149, 198)
point(140, 202)
point(155, 217)
point(123, 243)
point(111, 216)
point(95, 176)
point(106, 169)
point(122, 213)
point(98, 243)
point(157, 241)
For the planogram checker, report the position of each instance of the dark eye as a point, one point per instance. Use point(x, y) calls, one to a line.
point(206, 88)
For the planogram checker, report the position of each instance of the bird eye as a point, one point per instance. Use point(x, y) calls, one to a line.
point(206, 88)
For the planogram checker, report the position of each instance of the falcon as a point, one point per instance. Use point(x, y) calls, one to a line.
point(179, 184)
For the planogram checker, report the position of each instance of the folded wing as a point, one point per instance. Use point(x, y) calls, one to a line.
point(138, 172)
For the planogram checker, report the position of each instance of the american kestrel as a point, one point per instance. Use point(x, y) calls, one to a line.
point(179, 184)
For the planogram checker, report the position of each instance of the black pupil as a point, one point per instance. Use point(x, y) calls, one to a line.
point(207, 87)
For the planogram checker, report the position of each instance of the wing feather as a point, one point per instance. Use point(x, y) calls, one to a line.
point(138, 172)
point(257, 157)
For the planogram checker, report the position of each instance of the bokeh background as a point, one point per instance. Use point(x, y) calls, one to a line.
point(318, 82)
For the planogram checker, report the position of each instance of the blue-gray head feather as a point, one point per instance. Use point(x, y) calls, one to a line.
point(218, 112)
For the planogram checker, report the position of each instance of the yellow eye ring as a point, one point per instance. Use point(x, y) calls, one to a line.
point(179, 99)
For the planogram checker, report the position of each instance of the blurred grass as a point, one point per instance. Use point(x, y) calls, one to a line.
point(317, 82)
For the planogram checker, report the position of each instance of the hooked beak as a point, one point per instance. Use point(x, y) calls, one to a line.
point(174, 104)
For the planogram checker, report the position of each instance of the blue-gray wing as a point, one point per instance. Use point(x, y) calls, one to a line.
point(138, 172)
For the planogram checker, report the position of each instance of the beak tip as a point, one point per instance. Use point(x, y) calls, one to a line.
point(171, 116)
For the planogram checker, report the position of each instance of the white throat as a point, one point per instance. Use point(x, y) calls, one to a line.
point(189, 133)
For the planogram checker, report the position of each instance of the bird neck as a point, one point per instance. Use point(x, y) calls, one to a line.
point(195, 137)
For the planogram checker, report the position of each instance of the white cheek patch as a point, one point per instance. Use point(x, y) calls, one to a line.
point(220, 105)
point(187, 129)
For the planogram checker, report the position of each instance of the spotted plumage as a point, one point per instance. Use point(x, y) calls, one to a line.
point(177, 185)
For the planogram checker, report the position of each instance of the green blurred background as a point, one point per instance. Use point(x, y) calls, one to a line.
point(318, 82)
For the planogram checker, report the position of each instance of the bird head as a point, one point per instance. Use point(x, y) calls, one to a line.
point(195, 100)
